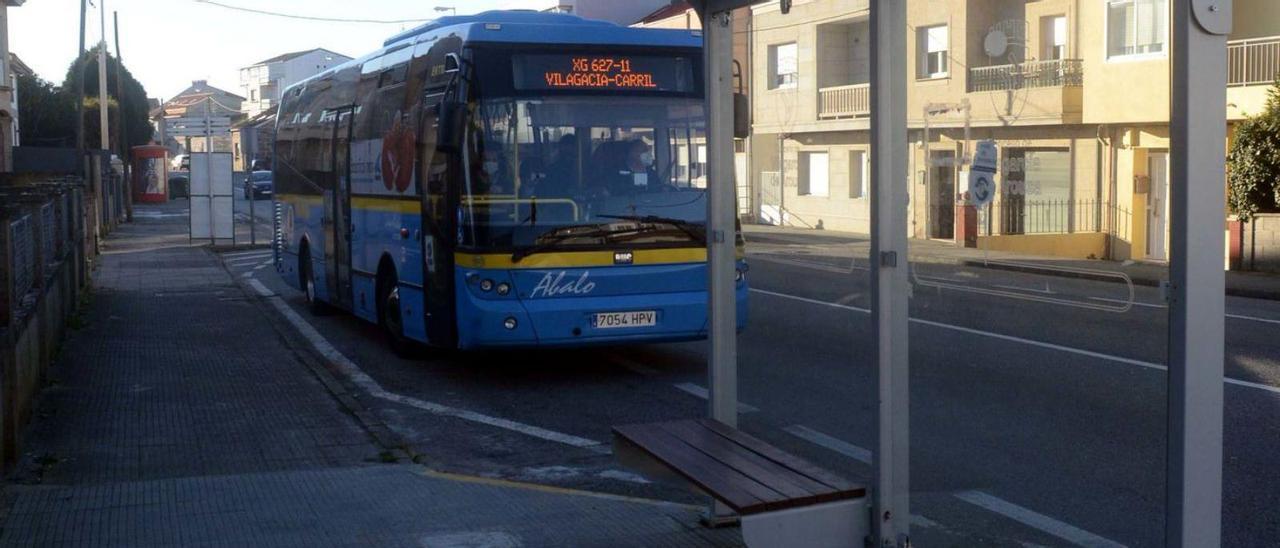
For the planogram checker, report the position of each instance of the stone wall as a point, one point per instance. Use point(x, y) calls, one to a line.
point(1261, 243)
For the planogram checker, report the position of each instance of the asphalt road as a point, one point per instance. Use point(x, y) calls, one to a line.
point(1037, 402)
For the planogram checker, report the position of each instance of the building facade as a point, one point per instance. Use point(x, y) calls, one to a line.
point(262, 83)
point(1075, 94)
point(620, 12)
point(8, 92)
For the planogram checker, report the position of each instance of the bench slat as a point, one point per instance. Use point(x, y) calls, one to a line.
point(785, 459)
point(765, 471)
point(739, 492)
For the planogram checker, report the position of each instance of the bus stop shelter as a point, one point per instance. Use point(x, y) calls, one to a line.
point(1193, 503)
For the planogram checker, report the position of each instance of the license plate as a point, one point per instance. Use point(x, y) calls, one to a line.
point(611, 320)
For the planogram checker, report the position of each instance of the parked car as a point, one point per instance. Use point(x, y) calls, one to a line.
point(258, 184)
point(181, 162)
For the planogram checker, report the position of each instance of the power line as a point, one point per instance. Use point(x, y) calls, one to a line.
point(309, 17)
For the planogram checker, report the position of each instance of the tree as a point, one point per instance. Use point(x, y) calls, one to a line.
point(134, 99)
point(1253, 165)
point(47, 114)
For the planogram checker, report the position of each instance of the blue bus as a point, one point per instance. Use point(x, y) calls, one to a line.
point(508, 179)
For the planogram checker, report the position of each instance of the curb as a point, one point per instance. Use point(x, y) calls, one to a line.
point(1246, 292)
point(346, 395)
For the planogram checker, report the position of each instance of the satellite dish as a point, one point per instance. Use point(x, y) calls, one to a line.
point(996, 43)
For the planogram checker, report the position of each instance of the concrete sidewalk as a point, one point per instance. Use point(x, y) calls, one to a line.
point(178, 416)
point(857, 246)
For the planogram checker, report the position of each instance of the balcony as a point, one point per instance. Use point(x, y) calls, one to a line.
point(849, 101)
point(1253, 62)
point(1028, 75)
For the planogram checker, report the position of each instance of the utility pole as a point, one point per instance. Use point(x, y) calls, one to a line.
point(105, 137)
point(80, 90)
point(120, 120)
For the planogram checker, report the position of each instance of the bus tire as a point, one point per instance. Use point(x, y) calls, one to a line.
point(307, 279)
point(389, 317)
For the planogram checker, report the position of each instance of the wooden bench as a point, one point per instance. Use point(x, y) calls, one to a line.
point(782, 500)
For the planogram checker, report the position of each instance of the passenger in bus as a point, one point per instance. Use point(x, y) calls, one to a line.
point(494, 173)
point(561, 179)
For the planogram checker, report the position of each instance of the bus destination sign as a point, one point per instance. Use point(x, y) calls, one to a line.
point(603, 72)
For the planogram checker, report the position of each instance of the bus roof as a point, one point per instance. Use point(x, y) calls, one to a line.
point(527, 26)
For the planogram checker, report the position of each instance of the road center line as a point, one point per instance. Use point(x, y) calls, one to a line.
point(371, 386)
point(1064, 531)
point(258, 252)
point(1233, 316)
point(1010, 338)
point(699, 391)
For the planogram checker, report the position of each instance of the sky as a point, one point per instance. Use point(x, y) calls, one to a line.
point(167, 44)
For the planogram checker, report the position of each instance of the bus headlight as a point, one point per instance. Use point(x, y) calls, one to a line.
point(486, 285)
point(509, 323)
point(739, 275)
point(504, 288)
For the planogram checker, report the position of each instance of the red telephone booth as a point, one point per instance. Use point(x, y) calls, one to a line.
point(150, 174)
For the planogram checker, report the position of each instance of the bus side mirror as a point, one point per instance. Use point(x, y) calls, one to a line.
point(741, 116)
point(449, 128)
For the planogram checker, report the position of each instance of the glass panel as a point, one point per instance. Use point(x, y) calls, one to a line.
point(1038, 336)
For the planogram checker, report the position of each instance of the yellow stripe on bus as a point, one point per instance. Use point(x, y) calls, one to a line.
point(572, 259)
point(394, 205)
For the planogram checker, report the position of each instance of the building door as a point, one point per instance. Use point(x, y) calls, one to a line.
point(1158, 207)
point(340, 285)
point(942, 195)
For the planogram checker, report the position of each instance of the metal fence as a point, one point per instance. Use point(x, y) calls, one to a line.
point(1030, 74)
point(1253, 62)
point(1012, 216)
point(37, 233)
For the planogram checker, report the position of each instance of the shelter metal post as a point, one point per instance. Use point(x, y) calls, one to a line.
point(721, 211)
point(889, 284)
point(1197, 305)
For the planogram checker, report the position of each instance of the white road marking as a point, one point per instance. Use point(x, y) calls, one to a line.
point(488, 539)
point(247, 274)
point(261, 266)
point(371, 386)
point(623, 476)
point(1045, 291)
point(243, 263)
point(1064, 531)
point(258, 252)
point(1010, 338)
point(261, 289)
point(840, 446)
point(701, 392)
point(1233, 316)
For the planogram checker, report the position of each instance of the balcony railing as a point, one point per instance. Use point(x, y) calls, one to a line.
point(1031, 74)
point(1253, 62)
point(844, 101)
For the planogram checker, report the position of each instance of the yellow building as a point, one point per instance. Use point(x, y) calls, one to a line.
point(1075, 93)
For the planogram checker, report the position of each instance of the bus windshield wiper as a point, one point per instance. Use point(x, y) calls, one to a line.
point(691, 229)
point(550, 242)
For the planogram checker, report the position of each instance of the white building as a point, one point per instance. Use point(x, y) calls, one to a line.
point(621, 12)
point(262, 82)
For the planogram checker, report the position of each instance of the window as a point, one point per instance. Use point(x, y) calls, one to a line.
point(1137, 27)
point(1053, 37)
point(858, 174)
point(814, 174)
point(253, 95)
point(784, 69)
point(1037, 191)
point(932, 44)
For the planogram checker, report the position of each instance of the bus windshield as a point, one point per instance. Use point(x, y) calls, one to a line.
point(584, 172)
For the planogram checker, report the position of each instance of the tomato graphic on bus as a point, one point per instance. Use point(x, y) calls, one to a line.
point(397, 157)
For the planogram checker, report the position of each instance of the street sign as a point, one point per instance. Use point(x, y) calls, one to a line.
point(982, 174)
point(196, 127)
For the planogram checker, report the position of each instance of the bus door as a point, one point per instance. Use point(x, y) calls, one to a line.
point(434, 170)
point(340, 271)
